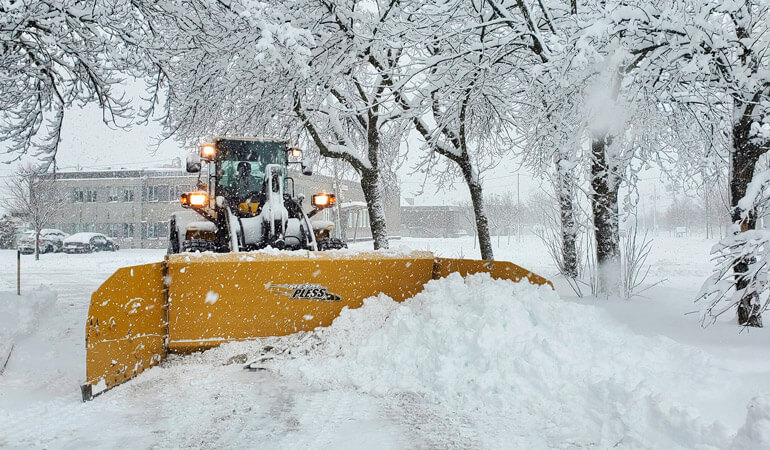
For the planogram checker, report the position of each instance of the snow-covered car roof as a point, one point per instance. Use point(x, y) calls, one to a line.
point(82, 237)
point(43, 232)
point(51, 230)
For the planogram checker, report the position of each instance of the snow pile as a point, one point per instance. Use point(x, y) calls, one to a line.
point(516, 360)
point(20, 316)
point(755, 433)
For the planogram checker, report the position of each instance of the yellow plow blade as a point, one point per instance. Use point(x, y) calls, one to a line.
point(192, 302)
point(126, 327)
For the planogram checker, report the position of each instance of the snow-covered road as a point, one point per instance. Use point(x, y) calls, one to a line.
point(473, 363)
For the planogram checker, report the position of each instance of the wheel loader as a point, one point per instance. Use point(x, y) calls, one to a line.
point(248, 201)
point(250, 263)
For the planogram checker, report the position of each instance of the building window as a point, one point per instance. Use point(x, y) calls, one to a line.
point(152, 193)
point(112, 229)
point(85, 227)
point(156, 230)
point(358, 219)
point(157, 193)
point(114, 194)
point(91, 196)
point(162, 192)
point(151, 231)
point(128, 230)
point(128, 195)
point(175, 192)
point(78, 196)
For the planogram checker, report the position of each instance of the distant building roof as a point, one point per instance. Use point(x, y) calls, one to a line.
point(122, 173)
point(432, 207)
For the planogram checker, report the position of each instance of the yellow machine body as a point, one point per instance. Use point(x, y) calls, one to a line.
point(195, 301)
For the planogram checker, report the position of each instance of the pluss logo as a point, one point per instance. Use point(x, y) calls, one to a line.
point(305, 291)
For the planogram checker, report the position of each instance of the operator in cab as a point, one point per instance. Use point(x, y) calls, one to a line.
point(245, 183)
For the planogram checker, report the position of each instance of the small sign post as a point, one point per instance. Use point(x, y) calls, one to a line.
point(18, 272)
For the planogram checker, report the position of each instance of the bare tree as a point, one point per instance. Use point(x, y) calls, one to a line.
point(35, 198)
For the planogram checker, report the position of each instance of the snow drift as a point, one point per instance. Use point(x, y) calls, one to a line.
point(467, 363)
point(516, 360)
point(20, 316)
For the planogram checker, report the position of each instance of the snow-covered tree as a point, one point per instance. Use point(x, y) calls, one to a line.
point(225, 68)
point(741, 65)
point(459, 91)
point(728, 71)
point(8, 228)
point(606, 97)
point(742, 274)
point(308, 70)
point(56, 54)
point(345, 106)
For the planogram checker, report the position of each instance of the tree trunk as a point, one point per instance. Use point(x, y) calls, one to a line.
point(566, 196)
point(477, 199)
point(743, 160)
point(37, 245)
point(604, 204)
point(370, 184)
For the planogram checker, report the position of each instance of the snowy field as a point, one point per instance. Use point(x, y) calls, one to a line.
point(473, 363)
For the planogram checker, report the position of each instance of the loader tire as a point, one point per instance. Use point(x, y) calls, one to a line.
point(331, 244)
point(198, 245)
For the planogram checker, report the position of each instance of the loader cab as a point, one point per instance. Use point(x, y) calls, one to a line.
point(241, 166)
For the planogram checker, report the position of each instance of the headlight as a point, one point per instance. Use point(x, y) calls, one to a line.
point(198, 198)
point(208, 151)
point(324, 200)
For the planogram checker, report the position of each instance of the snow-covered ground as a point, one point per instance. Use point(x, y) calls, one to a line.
point(474, 363)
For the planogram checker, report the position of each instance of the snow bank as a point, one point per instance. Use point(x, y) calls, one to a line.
point(516, 359)
point(755, 433)
point(20, 316)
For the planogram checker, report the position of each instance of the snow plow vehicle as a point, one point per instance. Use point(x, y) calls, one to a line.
point(248, 201)
point(265, 269)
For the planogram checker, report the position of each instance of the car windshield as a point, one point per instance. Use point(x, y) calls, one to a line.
point(242, 163)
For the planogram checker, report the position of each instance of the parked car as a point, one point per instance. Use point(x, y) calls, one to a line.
point(89, 242)
point(51, 240)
